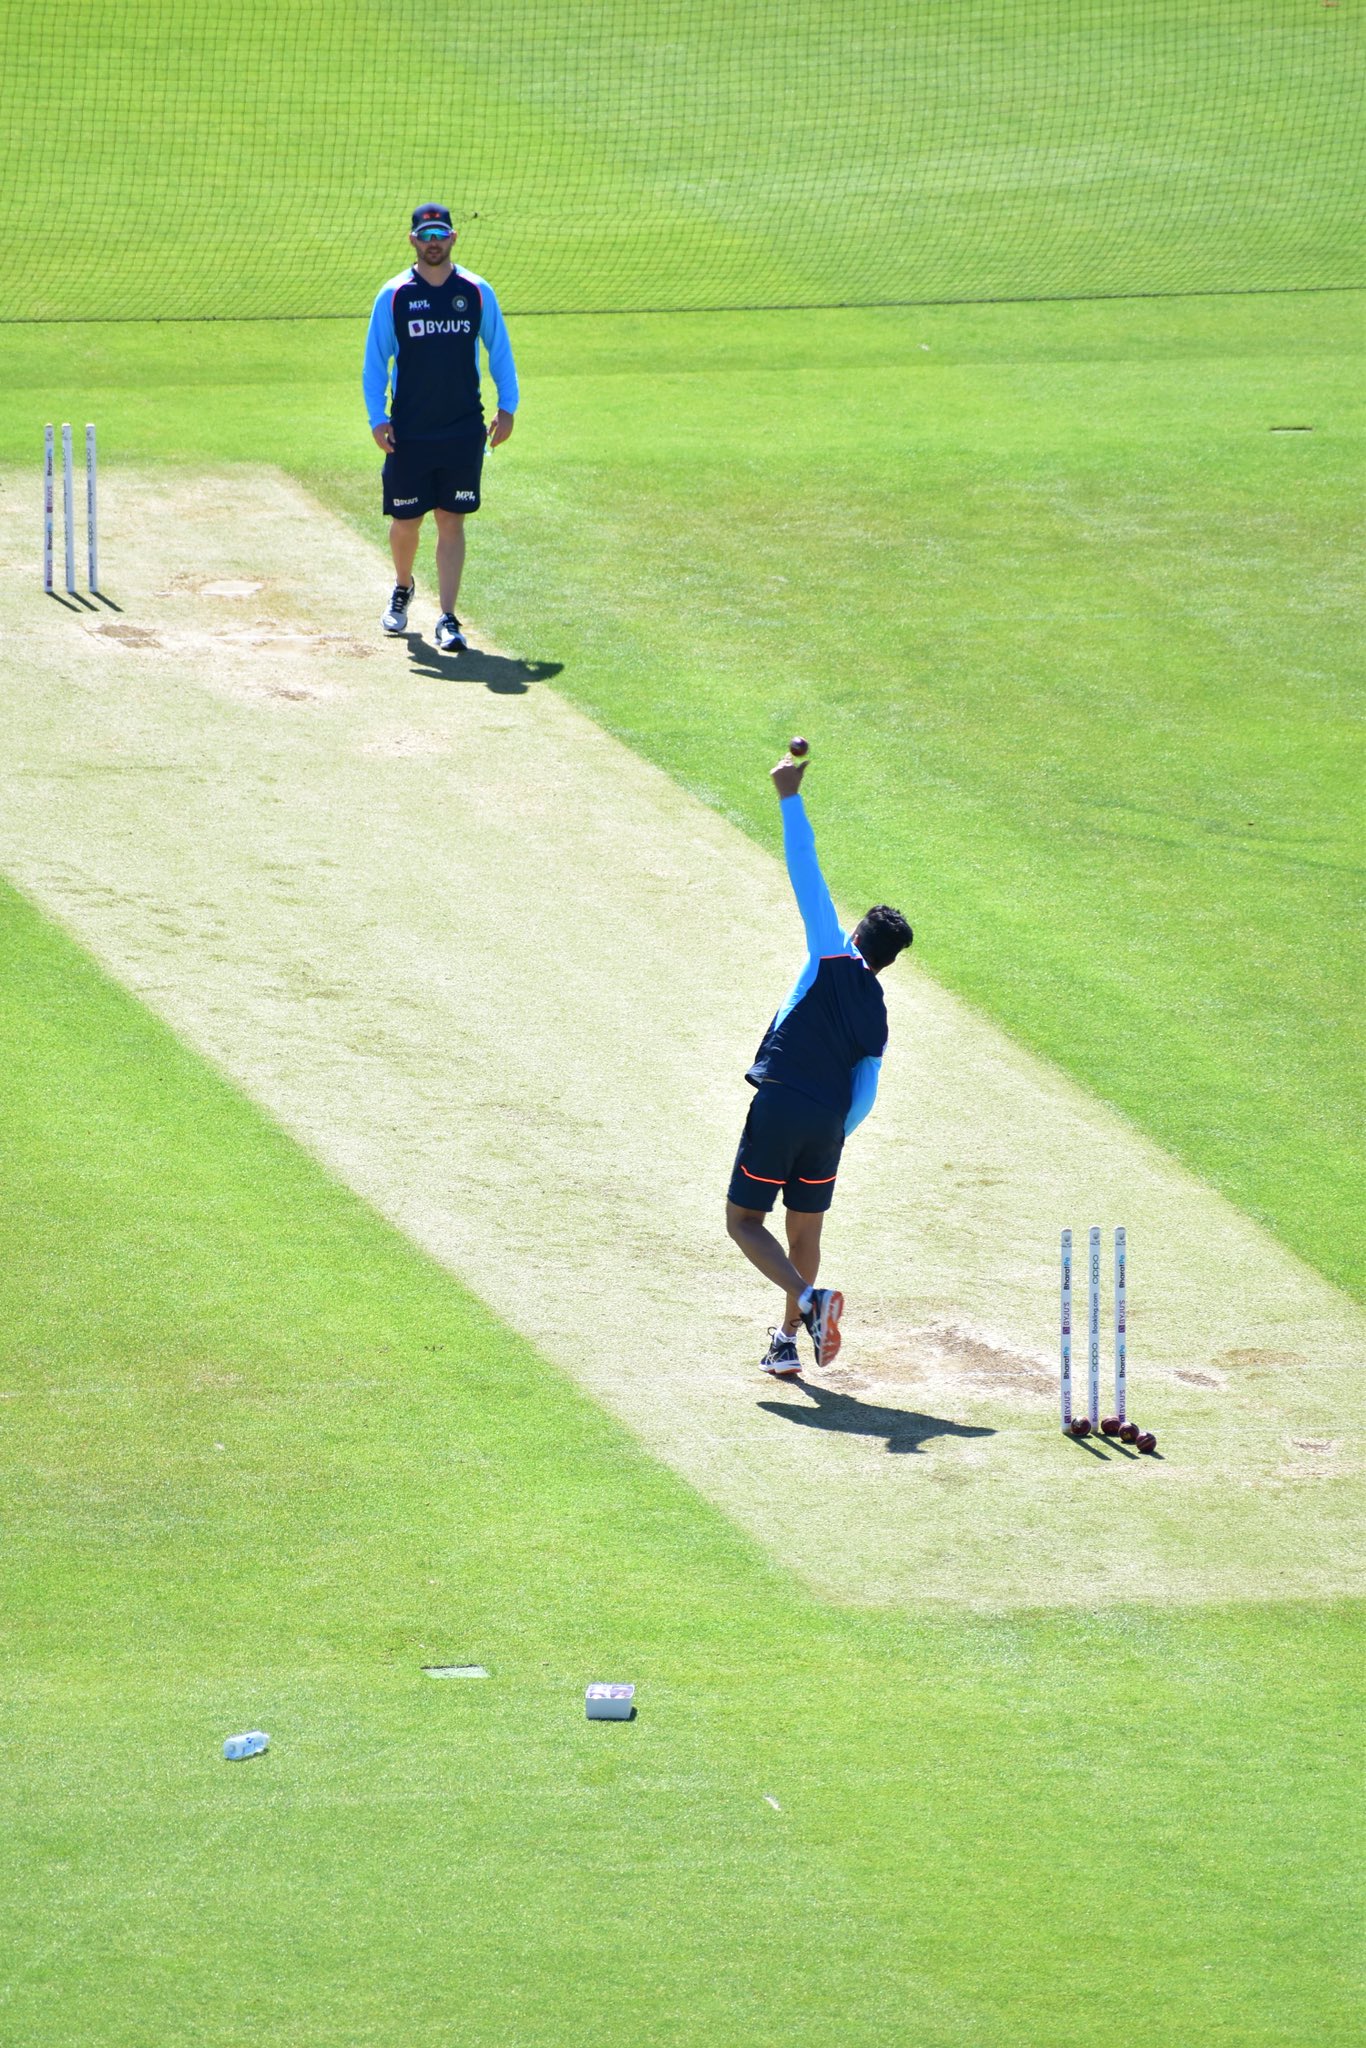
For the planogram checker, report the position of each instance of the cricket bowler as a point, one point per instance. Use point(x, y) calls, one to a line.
point(814, 1077)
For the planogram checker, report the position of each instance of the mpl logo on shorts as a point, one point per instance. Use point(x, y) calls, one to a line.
point(462, 497)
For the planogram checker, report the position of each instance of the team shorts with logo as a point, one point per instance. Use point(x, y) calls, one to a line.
point(429, 476)
point(791, 1144)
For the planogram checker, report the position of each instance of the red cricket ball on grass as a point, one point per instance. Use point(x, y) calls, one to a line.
point(799, 749)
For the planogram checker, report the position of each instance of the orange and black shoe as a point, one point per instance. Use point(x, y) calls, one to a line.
point(822, 1320)
point(781, 1357)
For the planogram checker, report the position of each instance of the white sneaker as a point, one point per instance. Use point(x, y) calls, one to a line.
point(449, 637)
point(395, 620)
point(781, 1357)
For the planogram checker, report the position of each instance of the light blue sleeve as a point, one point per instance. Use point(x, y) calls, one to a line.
point(380, 349)
point(494, 335)
point(864, 1093)
point(824, 932)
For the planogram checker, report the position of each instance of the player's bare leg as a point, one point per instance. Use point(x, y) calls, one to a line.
point(804, 1249)
point(450, 556)
point(404, 535)
point(748, 1229)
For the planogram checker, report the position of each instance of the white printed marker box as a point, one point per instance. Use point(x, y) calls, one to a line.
point(610, 1702)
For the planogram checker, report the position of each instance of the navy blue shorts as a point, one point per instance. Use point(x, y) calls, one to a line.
point(789, 1143)
point(431, 476)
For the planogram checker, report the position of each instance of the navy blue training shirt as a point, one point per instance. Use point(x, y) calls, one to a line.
point(423, 347)
point(828, 1039)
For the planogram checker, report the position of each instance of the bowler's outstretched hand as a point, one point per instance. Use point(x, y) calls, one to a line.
point(787, 776)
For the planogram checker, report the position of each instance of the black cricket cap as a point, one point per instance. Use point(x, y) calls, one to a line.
point(431, 216)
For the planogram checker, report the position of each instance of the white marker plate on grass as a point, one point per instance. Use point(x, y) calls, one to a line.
point(455, 1671)
point(610, 1702)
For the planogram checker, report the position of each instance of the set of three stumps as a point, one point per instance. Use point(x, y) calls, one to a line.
point(1118, 1424)
point(69, 508)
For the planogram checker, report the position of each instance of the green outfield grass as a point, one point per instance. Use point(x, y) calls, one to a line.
point(262, 1461)
point(236, 157)
point(1073, 634)
point(1071, 629)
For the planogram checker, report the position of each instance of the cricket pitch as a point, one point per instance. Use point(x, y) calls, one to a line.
point(503, 978)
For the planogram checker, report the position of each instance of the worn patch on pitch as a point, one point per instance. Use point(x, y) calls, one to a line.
point(234, 655)
point(504, 978)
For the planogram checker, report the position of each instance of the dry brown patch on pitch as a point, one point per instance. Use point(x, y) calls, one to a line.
point(1313, 1459)
point(950, 1358)
point(406, 746)
point(1245, 1358)
point(210, 648)
point(1319, 1457)
point(123, 633)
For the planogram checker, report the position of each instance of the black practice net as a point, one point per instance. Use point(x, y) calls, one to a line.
point(193, 159)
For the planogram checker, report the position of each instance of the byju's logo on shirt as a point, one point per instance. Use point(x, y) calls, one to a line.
point(417, 328)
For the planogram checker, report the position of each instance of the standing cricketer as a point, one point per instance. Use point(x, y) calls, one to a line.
point(422, 399)
point(815, 1076)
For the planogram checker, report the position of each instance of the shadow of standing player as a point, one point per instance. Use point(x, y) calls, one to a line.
point(903, 1428)
point(501, 673)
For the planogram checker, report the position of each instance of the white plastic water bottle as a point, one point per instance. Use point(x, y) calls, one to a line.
point(245, 1745)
